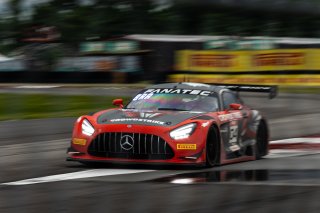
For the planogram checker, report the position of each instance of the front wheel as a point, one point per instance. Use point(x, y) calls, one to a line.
point(213, 148)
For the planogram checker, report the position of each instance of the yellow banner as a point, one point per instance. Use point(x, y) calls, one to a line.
point(247, 61)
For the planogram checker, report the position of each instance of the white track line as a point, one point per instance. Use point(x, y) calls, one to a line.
point(243, 183)
point(76, 175)
point(36, 87)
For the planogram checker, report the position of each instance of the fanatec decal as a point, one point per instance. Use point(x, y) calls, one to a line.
point(179, 91)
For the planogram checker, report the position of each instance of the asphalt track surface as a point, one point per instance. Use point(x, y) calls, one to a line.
point(35, 177)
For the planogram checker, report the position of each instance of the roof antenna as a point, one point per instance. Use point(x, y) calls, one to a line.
point(175, 86)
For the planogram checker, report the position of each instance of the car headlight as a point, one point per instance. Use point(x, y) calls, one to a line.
point(183, 132)
point(87, 128)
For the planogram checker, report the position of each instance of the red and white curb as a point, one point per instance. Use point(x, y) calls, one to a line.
point(294, 147)
point(296, 143)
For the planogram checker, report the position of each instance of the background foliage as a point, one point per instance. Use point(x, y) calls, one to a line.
point(103, 19)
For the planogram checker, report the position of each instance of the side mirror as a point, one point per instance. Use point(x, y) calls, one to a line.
point(235, 106)
point(118, 102)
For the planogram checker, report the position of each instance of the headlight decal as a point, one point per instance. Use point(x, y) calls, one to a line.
point(183, 131)
point(87, 128)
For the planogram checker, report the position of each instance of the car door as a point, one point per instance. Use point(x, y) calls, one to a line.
point(234, 127)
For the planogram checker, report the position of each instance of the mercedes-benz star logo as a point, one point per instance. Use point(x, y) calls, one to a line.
point(126, 142)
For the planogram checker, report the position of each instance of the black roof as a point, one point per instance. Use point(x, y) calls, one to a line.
point(271, 89)
point(188, 85)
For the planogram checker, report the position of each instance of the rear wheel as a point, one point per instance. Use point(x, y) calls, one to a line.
point(262, 140)
point(213, 148)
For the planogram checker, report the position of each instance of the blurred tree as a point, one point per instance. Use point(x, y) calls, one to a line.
point(124, 17)
point(11, 26)
point(167, 21)
point(47, 57)
point(69, 17)
point(211, 24)
point(103, 19)
point(15, 8)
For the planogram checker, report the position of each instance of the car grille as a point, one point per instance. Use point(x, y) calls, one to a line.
point(130, 146)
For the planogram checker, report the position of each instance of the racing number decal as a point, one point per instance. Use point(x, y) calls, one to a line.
point(230, 133)
point(142, 96)
point(233, 133)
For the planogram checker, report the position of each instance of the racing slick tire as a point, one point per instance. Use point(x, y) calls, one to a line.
point(213, 148)
point(261, 147)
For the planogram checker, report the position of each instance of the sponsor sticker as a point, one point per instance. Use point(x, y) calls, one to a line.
point(279, 59)
point(186, 146)
point(234, 148)
point(179, 91)
point(205, 124)
point(225, 117)
point(212, 60)
point(79, 141)
point(138, 120)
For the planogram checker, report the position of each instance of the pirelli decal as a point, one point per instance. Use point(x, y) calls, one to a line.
point(212, 60)
point(79, 141)
point(279, 59)
point(181, 146)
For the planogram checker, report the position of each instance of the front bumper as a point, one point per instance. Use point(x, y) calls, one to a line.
point(186, 151)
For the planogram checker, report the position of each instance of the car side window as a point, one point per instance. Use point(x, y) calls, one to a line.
point(229, 98)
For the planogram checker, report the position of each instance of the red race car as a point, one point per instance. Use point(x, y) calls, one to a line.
point(175, 123)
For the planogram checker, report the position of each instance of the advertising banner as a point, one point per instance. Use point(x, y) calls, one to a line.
point(249, 60)
point(190, 60)
point(278, 66)
point(111, 47)
point(100, 63)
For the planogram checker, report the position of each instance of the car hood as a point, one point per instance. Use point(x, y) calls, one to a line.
point(151, 118)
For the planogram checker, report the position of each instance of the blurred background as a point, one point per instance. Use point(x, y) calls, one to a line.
point(60, 59)
point(129, 41)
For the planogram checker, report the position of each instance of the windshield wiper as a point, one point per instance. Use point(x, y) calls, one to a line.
point(173, 109)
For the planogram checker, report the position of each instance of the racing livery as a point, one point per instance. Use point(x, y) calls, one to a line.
point(175, 123)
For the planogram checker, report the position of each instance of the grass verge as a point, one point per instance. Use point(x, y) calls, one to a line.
point(30, 106)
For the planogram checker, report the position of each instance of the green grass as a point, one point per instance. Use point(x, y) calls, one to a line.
point(30, 106)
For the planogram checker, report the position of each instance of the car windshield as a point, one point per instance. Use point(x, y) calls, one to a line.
point(176, 102)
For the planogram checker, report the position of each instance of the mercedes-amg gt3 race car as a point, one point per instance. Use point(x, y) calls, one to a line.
point(175, 123)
